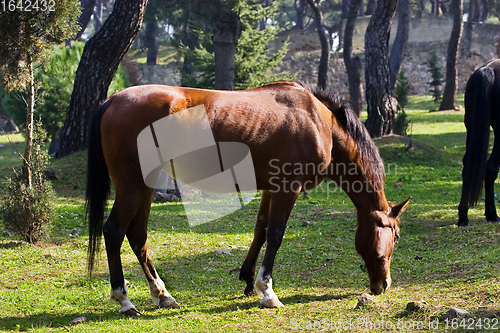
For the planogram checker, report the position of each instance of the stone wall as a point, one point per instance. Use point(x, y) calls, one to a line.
point(480, 43)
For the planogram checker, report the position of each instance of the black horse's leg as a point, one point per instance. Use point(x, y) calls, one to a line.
point(114, 230)
point(281, 206)
point(463, 207)
point(491, 175)
point(247, 272)
point(137, 237)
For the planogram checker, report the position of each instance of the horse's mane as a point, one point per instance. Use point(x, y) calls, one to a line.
point(370, 159)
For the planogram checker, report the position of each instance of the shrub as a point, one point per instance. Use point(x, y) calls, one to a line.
point(29, 211)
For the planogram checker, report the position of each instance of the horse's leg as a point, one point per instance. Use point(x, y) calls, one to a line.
point(463, 206)
point(114, 230)
point(247, 272)
point(137, 237)
point(491, 175)
point(280, 208)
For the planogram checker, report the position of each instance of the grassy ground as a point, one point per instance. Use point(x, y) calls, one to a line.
point(317, 273)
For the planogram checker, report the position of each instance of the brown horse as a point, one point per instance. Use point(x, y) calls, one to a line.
point(287, 127)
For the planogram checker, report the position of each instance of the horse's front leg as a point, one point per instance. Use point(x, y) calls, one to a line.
point(247, 272)
point(281, 205)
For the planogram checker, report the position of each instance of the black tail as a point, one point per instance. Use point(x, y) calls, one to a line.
point(98, 185)
point(478, 104)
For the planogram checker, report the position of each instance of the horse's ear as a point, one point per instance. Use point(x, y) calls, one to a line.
point(399, 208)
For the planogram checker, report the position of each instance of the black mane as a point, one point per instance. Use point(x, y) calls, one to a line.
point(370, 159)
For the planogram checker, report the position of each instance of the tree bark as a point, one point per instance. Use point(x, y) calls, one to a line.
point(84, 18)
point(450, 88)
point(381, 105)
point(325, 44)
point(301, 9)
point(353, 64)
point(100, 59)
point(30, 107)
point(226, 27)
point(400, 41)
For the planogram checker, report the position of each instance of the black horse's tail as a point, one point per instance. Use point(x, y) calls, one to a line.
point(98, 185)
point(478, 104)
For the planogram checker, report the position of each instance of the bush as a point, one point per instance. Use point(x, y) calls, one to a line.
point(29, 211)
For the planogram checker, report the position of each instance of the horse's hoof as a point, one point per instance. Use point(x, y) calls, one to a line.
point(249, 291)
point(272, 303)
point(493, 219)
point(132, 313)
point(463, 223)
point(168, 302)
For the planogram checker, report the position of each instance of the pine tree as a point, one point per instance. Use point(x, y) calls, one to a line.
point(437, 78)
point(253, 65)
point(401, 123)
point(26, 32)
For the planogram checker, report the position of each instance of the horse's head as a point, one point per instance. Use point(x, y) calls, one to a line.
point(375, 238)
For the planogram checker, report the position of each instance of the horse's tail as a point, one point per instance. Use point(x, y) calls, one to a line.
point(478, 104)
point(98, 185)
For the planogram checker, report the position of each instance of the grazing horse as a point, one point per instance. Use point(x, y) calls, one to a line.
point(482, 104)
point(285, 126)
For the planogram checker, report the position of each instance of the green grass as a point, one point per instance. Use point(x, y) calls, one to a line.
point(44, 287)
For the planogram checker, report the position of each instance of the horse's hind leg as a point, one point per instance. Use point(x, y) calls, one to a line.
point(491, 175)
point(114, 230)
point(137, 237)
point(247, 272)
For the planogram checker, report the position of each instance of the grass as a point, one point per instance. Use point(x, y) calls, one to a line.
point(317, 272)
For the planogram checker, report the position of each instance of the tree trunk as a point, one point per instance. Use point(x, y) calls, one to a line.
point(399, 46)
point(486, 11)
point(30, 107)
point(151, 42)
point(226, 27)
point(100, 59)
point(301, 9)
point(353, 64)
point(325, 44)
point(98, 15)
point(370, 7)
point(381, 105)
point(84, 18)
point(450, 88)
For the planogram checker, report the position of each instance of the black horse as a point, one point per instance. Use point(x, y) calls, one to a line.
point(482, 106)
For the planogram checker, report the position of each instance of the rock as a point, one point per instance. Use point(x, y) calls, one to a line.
point(398, 184)
point(223, 251)
point(305, 223)
point(78, 320)
point(52, 174)
point(74, 232)
point(364, 300)
point(159, 197)
point(454, 313)
point(416, 306)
